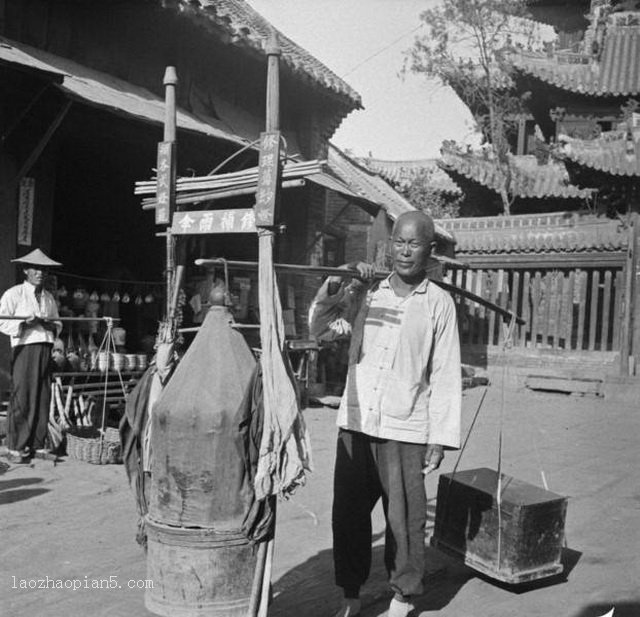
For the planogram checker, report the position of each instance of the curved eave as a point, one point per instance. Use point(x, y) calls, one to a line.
point(595, 165)
point(570, 192)
point(561, 82)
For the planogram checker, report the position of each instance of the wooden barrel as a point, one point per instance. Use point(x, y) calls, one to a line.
point(198, 572)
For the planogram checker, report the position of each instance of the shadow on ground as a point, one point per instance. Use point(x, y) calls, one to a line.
point(6, 485)
point(309, 590)
point(10, 493)
point(21, 495)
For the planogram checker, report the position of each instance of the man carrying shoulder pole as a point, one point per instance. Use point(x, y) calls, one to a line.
point(399, 412)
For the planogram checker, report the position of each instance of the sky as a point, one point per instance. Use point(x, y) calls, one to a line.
point(363, 41)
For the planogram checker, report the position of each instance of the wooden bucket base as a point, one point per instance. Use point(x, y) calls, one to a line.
point(198, 572)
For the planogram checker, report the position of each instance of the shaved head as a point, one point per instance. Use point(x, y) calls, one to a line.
point(423, 224)
point(412, 240)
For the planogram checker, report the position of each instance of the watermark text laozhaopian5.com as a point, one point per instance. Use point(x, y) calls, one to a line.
point(76, 584)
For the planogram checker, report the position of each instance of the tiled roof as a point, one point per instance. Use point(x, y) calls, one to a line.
point(246, 27)
point(371, 187)
point(614, 152)
point(401, 173)
point(105, 91)
point(563, 232)
point(366, 183)
point(529, 178)
point(615, 73)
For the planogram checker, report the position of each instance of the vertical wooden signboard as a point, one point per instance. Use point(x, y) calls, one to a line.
point(268, 178)
point(166, 181)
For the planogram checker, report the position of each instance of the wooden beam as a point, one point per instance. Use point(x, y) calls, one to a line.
point(23, 113)
point(563, 261)
point(570, 385)
point(305, 270)
point(42, 144)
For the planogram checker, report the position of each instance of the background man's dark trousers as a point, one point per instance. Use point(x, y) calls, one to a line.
point(28, 415)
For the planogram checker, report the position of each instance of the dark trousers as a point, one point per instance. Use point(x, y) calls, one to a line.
point(28, 415)
point(368, 469)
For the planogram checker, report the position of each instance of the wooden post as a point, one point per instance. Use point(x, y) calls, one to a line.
point(634, 302)
point(526, 308)
point(167, 177)
point(570, 307)
point(582, 280)
point(627, 327)
point(593, 315)
point(522, 125)
point(265, 212)
point(606, 305)
point(273, 84)
point(42, 144)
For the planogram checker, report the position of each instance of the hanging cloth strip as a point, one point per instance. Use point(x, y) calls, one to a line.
point(285, 450)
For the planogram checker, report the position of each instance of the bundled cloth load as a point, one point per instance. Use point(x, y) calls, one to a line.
point(197, 469)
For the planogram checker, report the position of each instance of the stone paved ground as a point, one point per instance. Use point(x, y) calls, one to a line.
point(74, 520)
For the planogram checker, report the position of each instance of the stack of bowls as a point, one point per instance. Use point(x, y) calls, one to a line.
point(103, 361)
point(118, 361)
point(142, 361)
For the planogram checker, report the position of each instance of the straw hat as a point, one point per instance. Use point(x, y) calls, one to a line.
point(36, 258)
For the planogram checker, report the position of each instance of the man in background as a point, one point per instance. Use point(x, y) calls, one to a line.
point(32, 340)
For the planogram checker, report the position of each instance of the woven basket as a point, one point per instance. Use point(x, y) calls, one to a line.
point(85, 444)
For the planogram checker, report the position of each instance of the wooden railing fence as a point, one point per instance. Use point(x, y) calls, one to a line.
point(564, 308)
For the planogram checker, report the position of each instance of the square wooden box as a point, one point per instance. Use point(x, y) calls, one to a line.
point(531, 536)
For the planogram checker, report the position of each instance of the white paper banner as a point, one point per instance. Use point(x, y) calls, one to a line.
point(25, 210)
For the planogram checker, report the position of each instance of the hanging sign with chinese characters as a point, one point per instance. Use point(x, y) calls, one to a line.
point(240, 220)
point(166, 182)
point(268, 173)
point(26, 199)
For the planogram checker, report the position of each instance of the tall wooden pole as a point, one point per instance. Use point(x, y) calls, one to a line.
point(635, 297)
point(265, 240)
point(170, 82)
point(273, 84)
point(627, 326)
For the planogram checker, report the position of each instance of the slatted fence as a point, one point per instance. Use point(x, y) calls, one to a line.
point(564, 308)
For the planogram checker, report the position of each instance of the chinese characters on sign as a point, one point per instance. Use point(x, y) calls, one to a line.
point(240, 221)
point(268, 173)
point(166, 182)
point(25, 210)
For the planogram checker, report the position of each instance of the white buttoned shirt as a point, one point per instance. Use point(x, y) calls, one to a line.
point(404, 377)
point(21, 300)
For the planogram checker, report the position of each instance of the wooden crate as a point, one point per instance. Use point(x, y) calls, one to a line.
point(525, 546)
